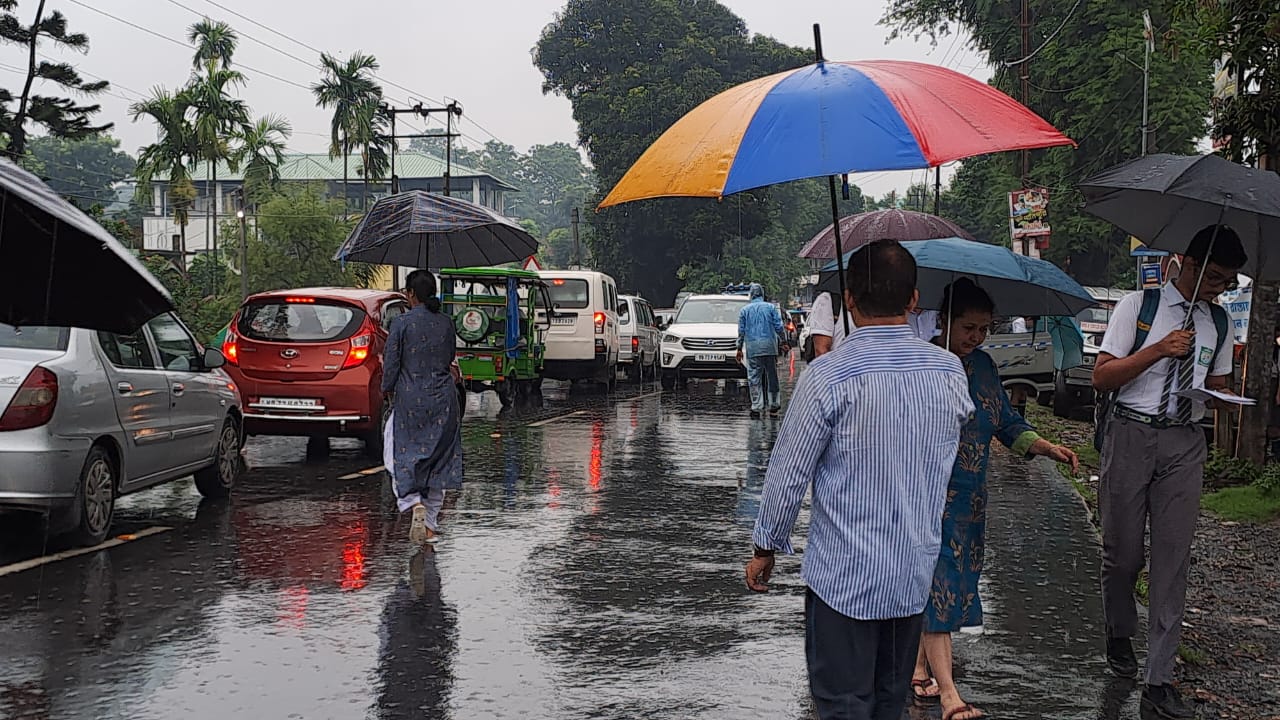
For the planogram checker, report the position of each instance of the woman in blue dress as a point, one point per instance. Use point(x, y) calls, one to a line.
point(954, 602)
point(425, 426)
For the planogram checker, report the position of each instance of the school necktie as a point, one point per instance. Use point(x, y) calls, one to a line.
point(1180, 377)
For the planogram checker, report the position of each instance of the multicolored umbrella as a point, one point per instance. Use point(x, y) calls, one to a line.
point(831, 118)
point(892, 224)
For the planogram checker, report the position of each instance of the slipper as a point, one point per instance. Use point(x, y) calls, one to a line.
point(966, 708)
point(917, 686)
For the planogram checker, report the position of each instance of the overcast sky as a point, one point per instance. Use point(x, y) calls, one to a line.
point(477, 52)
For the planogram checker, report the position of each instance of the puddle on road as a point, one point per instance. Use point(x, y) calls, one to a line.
point(589, 568)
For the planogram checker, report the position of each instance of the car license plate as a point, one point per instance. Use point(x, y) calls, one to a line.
point(289, 403)
point(709, 357)
point(563, 321)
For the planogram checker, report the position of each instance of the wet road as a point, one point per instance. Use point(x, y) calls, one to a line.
point(590, 569)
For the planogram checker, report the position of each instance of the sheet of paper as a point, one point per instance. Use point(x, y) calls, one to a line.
point(1205, 395)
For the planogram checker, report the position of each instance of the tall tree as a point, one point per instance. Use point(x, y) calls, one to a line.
point(350, 89)
point(219, 116)
point(1246, 33)
point(1083, 79)
point(169, 157)
point(85, 171)
point(631, 68)
point(261, 153)
point(59, 116)
point(372, 136)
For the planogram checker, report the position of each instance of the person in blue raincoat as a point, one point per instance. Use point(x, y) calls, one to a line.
point(759, 334)
point(424, 431)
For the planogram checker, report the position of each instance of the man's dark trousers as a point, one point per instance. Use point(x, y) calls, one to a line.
point(859, 669)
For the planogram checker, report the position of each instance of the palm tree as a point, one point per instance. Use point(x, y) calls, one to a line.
point(215, 43)
point(350, 89)
point(261, 152)
point(371, 136)
point(218, 115)
point(169, 156)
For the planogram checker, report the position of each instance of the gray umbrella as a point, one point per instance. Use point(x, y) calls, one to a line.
point(1164, 200)
point(421, 230)
point(58, 267)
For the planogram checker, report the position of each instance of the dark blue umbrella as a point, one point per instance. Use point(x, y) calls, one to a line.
point(421, 230)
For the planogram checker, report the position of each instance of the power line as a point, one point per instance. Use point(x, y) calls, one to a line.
point(1048, 40)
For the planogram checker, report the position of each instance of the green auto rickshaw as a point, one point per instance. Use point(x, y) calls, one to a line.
point(500, 339)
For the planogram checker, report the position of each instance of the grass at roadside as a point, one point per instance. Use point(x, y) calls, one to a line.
point(1243, 504)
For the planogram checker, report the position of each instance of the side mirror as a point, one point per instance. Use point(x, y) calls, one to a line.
point(213, 359)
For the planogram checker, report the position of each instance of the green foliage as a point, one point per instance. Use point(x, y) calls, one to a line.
point(119, 229)
point(1223, 469)
point(1085, 83)
point(300, 232)
point(1268, 480)
point(84, 171)
point(631, 69)
point(61, 117)
point(351, 90)
point(205, 313)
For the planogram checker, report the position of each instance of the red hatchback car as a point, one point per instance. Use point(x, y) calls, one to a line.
point(309, 362)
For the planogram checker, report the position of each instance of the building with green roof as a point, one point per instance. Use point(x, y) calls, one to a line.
point(416, 171)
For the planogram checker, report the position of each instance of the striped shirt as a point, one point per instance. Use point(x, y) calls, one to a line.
point(873, 427)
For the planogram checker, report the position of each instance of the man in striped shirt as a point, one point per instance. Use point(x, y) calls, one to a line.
point(873, 427)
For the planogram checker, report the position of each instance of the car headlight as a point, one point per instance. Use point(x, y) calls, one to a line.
point(670, 338)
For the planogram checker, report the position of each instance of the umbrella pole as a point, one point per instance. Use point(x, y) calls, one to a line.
point(937, 191)
point(1188, 322)
point(835, 224)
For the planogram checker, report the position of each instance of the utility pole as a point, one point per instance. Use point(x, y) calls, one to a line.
point(577, 248)
point(450, 111)
point(244, 257)
point(1149, 34)
point(1023, 246)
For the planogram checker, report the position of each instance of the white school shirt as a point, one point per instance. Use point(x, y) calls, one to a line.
point(1147, 390)
point(822, 321)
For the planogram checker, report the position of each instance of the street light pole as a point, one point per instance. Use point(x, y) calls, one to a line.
point(244, 258)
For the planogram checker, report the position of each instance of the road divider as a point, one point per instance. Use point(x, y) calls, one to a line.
point(548, 421)
point(364, 473)
point(68, 554)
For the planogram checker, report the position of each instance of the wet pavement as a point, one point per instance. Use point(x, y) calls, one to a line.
point(590, 568)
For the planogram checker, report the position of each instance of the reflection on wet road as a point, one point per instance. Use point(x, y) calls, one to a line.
point(590, 568)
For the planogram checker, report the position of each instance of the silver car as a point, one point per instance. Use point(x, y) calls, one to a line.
point(90, 416)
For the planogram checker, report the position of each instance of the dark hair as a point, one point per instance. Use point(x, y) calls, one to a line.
point(881, 279)
point(1228, 251)
point(963, 296)
point(423, 285)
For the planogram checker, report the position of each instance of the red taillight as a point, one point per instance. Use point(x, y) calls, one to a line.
point(600, 323)
point(635, 344)
point(359, 351)
point(33, 404)
point(231, 348)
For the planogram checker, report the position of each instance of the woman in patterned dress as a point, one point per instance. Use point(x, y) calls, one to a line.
point(954, 602)
point(425, 426)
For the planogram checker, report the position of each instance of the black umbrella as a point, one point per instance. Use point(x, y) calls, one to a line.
point(1164, 200)
point(59, 267)
point(421, 230)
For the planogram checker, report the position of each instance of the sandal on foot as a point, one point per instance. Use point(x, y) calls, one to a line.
point(919, 690)
point(966, 708)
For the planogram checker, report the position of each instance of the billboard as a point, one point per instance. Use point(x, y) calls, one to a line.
point(1029, 213)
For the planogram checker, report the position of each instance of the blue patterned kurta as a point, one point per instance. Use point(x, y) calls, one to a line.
point(953, 600)
point(426, 427)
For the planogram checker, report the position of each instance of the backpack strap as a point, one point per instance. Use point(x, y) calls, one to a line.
point(1146, 315)
point(1222, 322)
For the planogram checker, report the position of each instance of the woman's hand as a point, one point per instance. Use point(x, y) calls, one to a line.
point(1064, 455)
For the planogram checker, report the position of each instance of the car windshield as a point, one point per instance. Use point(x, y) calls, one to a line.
point(568, 294)
point(297, 321)
point(711, 310)
point(34, 337)
point(1094, 315)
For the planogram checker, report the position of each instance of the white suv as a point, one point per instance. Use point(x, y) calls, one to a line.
point(702, 342)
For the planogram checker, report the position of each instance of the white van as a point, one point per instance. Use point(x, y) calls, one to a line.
point(582, 343)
